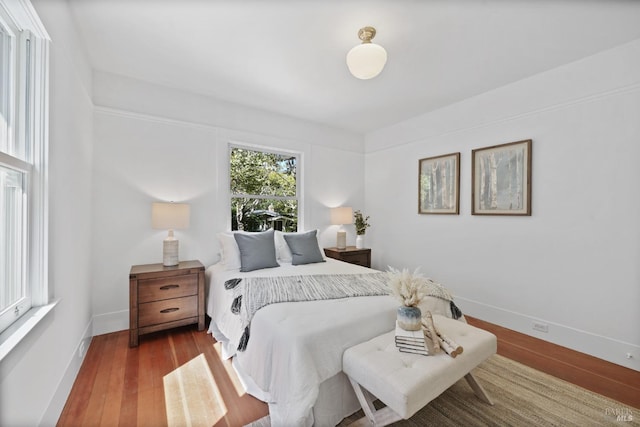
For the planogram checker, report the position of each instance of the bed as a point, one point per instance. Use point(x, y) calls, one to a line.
point(293, 359)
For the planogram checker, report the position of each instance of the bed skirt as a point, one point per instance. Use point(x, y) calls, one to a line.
point(336, 398)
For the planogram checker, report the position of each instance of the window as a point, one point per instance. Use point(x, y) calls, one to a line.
point(23, 102)
point(264, 189)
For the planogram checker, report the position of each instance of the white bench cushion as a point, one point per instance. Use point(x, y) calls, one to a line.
point(407, 382)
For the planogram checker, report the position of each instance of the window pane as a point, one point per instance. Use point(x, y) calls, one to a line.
point(12, 208)
point(5, 86)
point(263, 190)
point(262, 173)
point(250, 214)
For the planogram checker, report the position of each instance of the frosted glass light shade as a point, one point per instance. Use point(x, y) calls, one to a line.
point(170, 216)
point(341, 216)
point(366, 60)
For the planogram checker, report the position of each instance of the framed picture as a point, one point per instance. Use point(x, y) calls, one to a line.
point(501, 179)
point(439, 184)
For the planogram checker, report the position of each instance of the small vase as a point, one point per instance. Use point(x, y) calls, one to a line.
point(360, 241)
point(409, 318)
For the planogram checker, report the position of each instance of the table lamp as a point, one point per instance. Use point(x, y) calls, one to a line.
point(170, 216)
point(341, 216)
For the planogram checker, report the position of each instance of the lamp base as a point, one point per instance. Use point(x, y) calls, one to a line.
point(170, 252)
point(341, 242)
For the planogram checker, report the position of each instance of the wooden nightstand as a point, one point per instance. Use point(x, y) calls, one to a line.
point(351, 255)
point(165, 297)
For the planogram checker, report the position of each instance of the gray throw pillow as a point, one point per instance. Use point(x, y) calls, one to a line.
point(304, 248)
point(257, 250)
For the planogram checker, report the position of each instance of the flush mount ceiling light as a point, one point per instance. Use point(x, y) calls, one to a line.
point(366, 60)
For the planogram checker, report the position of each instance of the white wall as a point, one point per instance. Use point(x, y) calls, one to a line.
point(155, 143)
point(574, 263)
point(37, 375)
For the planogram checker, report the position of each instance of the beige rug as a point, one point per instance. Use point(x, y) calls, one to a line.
point(191, 395)
point(522, 397)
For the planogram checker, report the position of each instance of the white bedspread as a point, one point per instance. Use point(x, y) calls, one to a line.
point(294, 347)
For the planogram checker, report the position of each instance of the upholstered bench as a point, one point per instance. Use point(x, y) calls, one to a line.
point(405, 382)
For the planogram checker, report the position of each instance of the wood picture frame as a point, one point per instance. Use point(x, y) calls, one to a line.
point(439, 184)
point(501, 179)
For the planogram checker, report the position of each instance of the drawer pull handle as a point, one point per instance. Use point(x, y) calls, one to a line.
point(167, 287)
point(169, 310)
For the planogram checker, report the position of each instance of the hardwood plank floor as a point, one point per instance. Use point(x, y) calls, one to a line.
point(122, 386)
point(118, 385)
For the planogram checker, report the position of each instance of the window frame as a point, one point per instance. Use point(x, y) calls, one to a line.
point(27, 153)
point(271, 150)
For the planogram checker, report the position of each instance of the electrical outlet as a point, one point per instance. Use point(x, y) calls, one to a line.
point(540, 327)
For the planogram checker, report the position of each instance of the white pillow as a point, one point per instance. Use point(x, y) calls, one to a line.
point(229, 251)
point(283, 253)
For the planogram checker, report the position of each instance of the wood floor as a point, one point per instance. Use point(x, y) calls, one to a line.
point(122, 386)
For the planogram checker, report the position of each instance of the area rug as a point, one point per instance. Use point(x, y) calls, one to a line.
point(522, 396)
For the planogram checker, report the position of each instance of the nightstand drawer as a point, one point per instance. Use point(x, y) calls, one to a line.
point(167, 288)
point(359, 259)
point(152, 313)
point(350, 254)
point(163, 297)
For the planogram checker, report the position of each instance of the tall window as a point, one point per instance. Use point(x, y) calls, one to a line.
point(23, 81)
point(264, 190)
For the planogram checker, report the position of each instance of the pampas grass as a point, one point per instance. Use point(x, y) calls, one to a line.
point(406, 287)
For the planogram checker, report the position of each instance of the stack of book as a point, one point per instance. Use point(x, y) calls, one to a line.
point(428, 340)
point(410, 341)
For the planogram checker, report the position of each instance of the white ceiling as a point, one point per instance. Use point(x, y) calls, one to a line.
point(288, 56)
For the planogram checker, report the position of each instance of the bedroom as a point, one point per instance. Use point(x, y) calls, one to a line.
point(120, 143)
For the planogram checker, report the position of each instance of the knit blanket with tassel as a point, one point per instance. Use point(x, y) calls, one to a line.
point(252, 293)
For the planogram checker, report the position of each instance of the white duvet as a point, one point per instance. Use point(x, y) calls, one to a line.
point(295, 347)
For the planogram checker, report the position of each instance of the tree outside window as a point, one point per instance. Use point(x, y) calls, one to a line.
point(264, 190)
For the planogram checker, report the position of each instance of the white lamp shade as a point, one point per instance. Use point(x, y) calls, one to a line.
point(341, 215)
point(170, 216)
point(366, 60)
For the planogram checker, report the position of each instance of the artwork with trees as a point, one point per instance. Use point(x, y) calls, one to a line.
point(439, 184)
point(263, 190)
point(502, 179)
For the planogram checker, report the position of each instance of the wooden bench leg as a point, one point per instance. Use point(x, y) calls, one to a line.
point(477, 388)
point(372, 417)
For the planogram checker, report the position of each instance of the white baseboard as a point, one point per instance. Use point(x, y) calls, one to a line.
point(59, 399)
point(111, 322)
point(598, 346)
point(102, 324)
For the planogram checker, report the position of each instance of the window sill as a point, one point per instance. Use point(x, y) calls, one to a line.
point(11, 337)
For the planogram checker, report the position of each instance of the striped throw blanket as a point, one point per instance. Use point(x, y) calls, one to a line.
point(252, 293)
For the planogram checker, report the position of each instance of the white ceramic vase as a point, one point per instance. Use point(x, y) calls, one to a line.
point(360, 241)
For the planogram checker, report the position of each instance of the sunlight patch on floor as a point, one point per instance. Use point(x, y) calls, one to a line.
point(231, 373)
point(191, 395)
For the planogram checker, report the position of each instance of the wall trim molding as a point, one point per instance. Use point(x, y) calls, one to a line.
point(599, 346)
point(118, 112)
point(622, 90)
point(224, 133)
point(59, 398)
point(110, 322)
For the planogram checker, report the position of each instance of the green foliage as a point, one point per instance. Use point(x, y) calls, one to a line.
point(254, 174)
point(361, 222)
